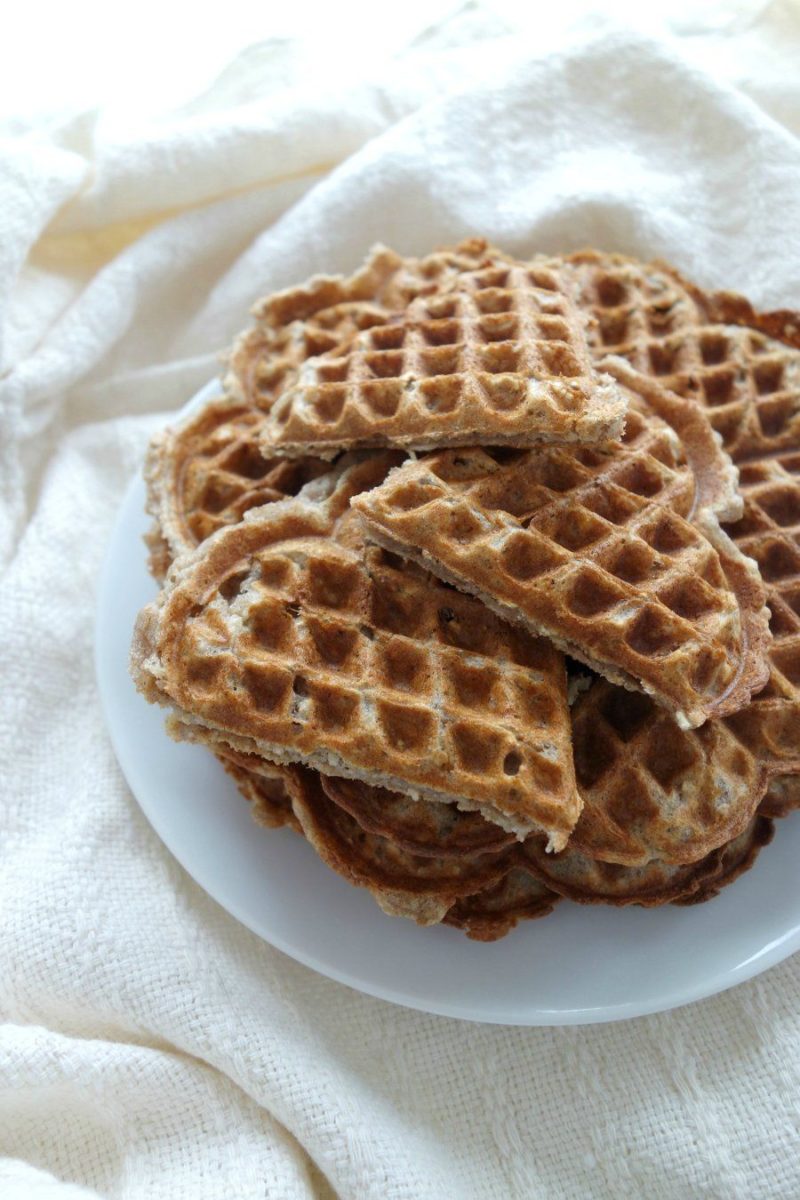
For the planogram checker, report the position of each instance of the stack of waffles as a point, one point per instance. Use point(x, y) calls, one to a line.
point(484, 576)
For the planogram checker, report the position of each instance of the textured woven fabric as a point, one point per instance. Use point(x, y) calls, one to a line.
point(150, 1046)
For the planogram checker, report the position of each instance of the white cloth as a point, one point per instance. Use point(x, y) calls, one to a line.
point(152, 1047)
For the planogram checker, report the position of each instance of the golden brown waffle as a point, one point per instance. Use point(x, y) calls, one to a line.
point(490, 914)
point(414, 825)
point(603, 550)
point(717, 347)
point(304, 321)
point(577, 877)
point(421, 887)
point(324, 313)
point(207, 472)
point(711, 346)
point(500, 357)
point(668, 812)
point(264, 360)
point(770, 533)
point(281, 636)
point(652, 790)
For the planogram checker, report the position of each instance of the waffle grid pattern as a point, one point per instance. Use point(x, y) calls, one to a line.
point(208, 472)
point(317, 317)
point(770, 533)
point(589, 545)
point(748, 383)
point(265, 362)
point(319, 651)
point(652, 790)
point(501, 354)
point(316, 651)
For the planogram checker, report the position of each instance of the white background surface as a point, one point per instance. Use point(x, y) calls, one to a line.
point(150, 1046)
point(145, 59)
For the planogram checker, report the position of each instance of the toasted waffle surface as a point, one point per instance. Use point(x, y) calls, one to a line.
point(288, 647)
point(651, 790)
point(589, 881)
point(744, 367)
point(770, 533)
point(712, 346)
point(418, 826)
point(602, 549)
point(500, 356)
point(422, 887)
point(326, 312)
point(207, 472)
point(286, 638)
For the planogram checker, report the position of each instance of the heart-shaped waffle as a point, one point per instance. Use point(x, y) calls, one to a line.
point(282, 636)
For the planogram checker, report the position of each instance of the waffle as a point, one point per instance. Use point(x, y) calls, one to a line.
point(603, 550)
point(651, 790)
point(264, 787)
point(326, 312)
point(421, 887)
point(414, 825)
point(716, 347)
point(711, 346)
point(500, 356)
point(493, 912)
point(573, 875)
point(770, 533)
point(282, 636)
point(287, 646)
point(207, 472)
point(264, 361)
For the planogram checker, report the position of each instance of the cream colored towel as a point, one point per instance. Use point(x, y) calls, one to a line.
point(152, 1047)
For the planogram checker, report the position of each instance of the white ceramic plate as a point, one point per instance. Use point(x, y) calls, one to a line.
point(579, 965)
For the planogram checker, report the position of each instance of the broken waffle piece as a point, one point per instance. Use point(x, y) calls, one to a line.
point(651, 790)
point(285, 637)
point(324, 313)
point(207, 471)
point(743, 367)
point(601, 549)
point(500, 357)
point(588, 881)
